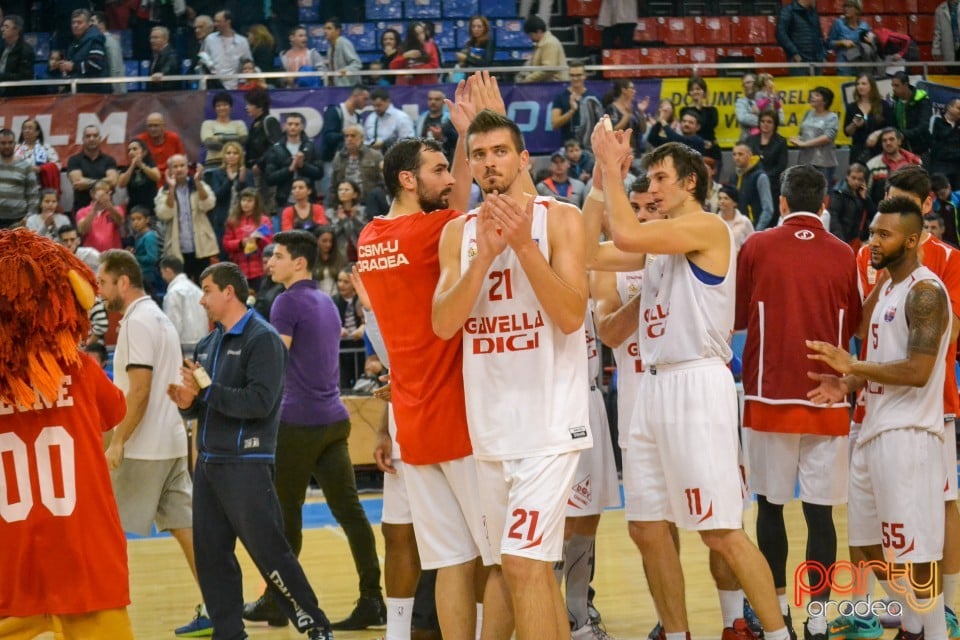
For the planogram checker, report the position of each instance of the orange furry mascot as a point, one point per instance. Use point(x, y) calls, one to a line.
point(62, 548)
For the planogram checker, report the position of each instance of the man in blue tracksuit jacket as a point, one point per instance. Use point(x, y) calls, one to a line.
point(233, 491)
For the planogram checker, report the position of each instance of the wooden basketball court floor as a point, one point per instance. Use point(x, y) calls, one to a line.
point(164, 594)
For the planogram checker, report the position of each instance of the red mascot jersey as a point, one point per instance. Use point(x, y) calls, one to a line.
point(62, 549)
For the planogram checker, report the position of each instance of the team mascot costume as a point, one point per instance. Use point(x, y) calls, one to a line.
point(63, 555)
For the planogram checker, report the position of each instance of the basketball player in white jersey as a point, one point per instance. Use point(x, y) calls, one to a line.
point(895, 511)
point(595, 488)
point(683, 452)
point(512, 277)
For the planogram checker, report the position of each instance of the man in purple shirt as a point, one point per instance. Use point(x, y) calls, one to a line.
point(314, 426)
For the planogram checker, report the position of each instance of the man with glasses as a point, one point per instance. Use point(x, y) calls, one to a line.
point(565, 111)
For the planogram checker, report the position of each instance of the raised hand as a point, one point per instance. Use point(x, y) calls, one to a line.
point(490, 239)
point(513, 219)
point(834, 357)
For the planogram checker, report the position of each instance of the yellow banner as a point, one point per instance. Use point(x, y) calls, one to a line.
point(794, 94)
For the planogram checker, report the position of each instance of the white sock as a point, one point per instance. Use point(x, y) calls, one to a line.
point(479, 619)
point(731, 606)
point(892, 595)
point(933, 621)
point(951, 582)
point(784, 605)
point(779, 634)
point(817, 624)
point(679, 635)
point(399, 618)
point(871, 581)
point(203, 610)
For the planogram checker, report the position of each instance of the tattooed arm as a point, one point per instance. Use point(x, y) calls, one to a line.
point(928, 316)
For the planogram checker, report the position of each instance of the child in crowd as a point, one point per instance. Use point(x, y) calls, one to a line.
point(766, 97)
point(47, 221)
point(146, 247)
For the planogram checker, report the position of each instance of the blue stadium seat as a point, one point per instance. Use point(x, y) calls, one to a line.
point(383, 10)
point(135, 68)
point(316, 37)
point(40, 42)
point(510, 35)
point(463, 33)
point(498, 8)
point(363, 35)
point(445, 34)
point(421, 8)
point(460, 8)
point(126, 44)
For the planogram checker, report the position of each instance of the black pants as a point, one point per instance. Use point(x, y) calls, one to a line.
point(322, 451)
point(194, 266)
point(237, 500)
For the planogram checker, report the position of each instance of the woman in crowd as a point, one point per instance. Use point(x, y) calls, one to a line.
point(221, 130)
point(772, 149)
point(845, 35)
point(299, 56)
point(480, 47)
point(41, 156)
point(350, 218)
point(419, 52)
point(247, 232)
point(141, 176)
point(302, 214)
point(866, 114)
point(738, 223)
point(390, 44)
point(620, 103)
point(227, 182)
point(818, 132)
point(263, 47)
point(330, 261)
point(697, 100)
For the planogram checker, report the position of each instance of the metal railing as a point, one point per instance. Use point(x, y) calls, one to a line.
point(924, 67)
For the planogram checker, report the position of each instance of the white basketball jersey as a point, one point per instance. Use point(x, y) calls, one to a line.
point(627, 357)
point(525, 380)
point(898, 406)
point(683, 316)
point(593, 346)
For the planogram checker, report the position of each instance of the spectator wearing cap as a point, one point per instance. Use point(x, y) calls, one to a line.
point(845, 35)
point(547, 52)
point(559, 184)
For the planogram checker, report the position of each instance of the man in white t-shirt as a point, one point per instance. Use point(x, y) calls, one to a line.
point(147, 455)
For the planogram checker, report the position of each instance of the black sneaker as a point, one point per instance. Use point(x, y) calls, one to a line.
point(263, 609)
point(657, 632)
point(369, 612)
point(906, 635)
point(320, 634)
point(788, 621)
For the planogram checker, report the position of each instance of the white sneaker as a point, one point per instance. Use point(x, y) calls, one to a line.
point(590, 632)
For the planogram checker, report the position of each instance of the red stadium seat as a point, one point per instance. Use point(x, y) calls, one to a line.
point(695, 56)
point(753, 30)
point(834, 7)
point(590, 8)
point(771, 54)
point(659, 56)
point(677, 31)
point(647, 30)
point(826, 22)
point(894, 23)
point(592, 34)
point(711, 30)
point(621, 56)
point(921, 29)
point(901, 7)
point(748, 53)
point(928, 6)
